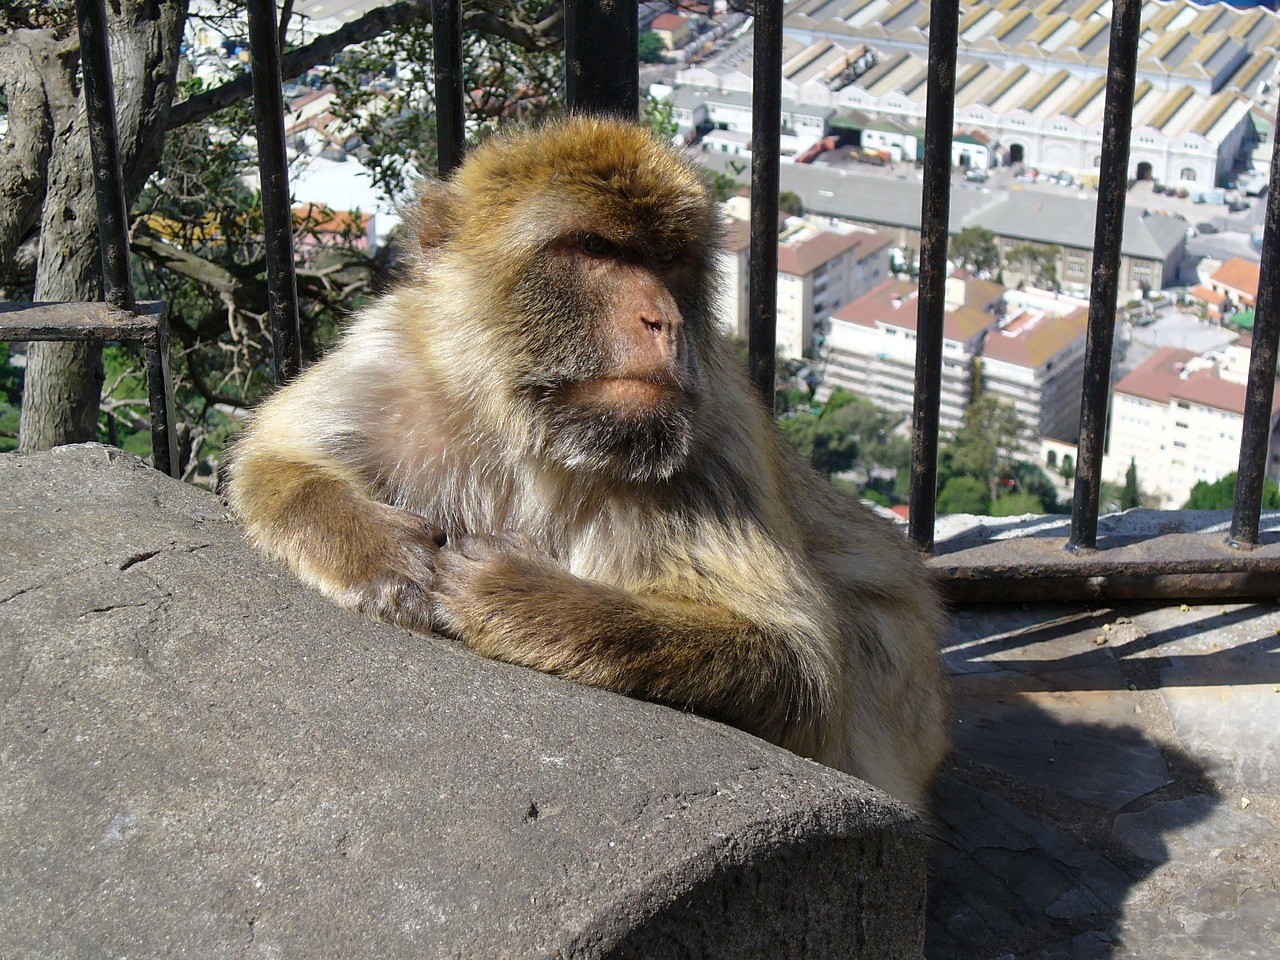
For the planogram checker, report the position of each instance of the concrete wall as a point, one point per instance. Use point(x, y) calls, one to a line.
point(202, 758)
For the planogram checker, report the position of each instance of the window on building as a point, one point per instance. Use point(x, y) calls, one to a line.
point(1188, 174)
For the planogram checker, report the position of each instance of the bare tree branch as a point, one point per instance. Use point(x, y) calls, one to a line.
point(376, 22)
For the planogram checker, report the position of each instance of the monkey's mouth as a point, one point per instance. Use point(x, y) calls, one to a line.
point(624, 394)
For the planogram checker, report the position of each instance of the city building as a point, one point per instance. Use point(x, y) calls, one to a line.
point(1152, 250)
point(1033, 357)
point(1033, 78)
point(820, 268)
point(870, 348)
point(675, 30)
point(1179, 418)
point(1025, 346)
point(699, 112)
point(1236, 280)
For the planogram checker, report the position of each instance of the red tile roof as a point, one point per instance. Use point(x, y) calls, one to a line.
point(895, 303)
point(1239, 274)
point(1210, 296)
point(1164, 378)
point(807, 255)
point(668, 21)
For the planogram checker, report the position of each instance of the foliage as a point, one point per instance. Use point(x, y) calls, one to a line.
point(1039, 263)
point(975, 249)
point(386, 101)
point(1068, 468)
point(10, 397)
point(651, 47)
point(198, 246)
point(196, 228)
point(659, 116)
point(790, 203)
point(964, 494)
point(823, 442)
point(989, 437)
point(1030, 479)
point(1131, 495)
point(878, 444)
point(1221, 494)
point(1016, 504)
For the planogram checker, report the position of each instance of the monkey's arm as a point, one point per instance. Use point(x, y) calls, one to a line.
point(312, 515)
point(515, 606)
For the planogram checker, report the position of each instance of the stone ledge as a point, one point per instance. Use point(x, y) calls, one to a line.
point(202, 758)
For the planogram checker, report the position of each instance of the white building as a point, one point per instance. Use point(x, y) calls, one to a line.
point(1034, 358)
point(1033, 78)
point(820, 268)
point(1179, 417)
point(1026, 347)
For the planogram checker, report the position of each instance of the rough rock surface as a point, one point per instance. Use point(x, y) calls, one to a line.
point(199, 757)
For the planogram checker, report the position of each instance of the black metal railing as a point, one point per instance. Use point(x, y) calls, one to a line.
point(602, 73)
point(120, 317)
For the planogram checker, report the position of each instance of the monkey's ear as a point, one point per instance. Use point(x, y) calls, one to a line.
point(433, 217)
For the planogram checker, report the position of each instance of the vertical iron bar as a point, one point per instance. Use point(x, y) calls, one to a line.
point(164, 439)
point(602, 56)
point(766, 131)
point(273, 168)
point(935, 215)
point(1113, 185)
point(446, 41)
point(1255, 438)
point(108, 180)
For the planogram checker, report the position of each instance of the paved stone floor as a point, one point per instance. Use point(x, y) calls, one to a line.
point(1115, 789)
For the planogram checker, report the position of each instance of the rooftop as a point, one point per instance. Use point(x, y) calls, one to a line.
point(1034, 337)
point(1239, 274)
point(1172, 374)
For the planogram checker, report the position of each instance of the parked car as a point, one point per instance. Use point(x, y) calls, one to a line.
point(973, 175)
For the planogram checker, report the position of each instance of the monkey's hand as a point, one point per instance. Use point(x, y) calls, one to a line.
point(393, 572)
point(381, 563)
point(503, 599)
point(476, 582)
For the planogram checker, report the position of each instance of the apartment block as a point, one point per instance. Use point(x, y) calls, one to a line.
point(1025, 346)
point(1179, 417)
point(820, 268)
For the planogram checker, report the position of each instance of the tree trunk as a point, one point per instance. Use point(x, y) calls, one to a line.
point(64, 380)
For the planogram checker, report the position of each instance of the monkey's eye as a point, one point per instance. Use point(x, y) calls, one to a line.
point(595, 245)
point(666, 256)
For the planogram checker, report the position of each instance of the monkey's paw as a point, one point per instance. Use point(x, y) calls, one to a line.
point(392, 577)
point(481, 582)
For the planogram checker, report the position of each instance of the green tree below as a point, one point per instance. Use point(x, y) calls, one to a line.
point(963, 494)
point(651, 47)
point(1221, 495)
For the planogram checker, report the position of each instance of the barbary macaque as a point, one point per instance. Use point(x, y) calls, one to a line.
point(540, 445)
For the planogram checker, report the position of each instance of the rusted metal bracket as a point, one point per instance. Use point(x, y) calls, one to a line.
point(147, 325)
point(1173, 565)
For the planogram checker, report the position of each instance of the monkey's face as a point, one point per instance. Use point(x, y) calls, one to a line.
point(611, 369)
point(587, 248)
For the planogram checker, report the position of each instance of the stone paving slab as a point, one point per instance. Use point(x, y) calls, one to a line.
point(1114, 788)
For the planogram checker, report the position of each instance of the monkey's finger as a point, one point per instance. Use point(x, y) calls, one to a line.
point(475, 548)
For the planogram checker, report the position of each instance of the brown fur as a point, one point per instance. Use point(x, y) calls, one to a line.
point(548, 398)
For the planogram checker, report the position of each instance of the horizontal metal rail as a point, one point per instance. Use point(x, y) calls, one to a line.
point(147, 325)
